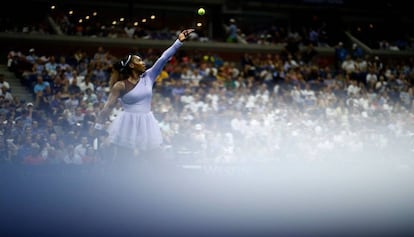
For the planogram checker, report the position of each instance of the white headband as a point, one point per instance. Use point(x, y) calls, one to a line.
point(127, 61)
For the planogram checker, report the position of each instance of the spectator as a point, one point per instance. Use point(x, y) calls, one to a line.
point(233, 32)
point(86, 84)
point(32, 57)
point(340, 54)
point(4, 83)
point(6, 94)
point(51, 66)
point(357, 51)
point(39, 89)
point(74, 88)
point(80, 151)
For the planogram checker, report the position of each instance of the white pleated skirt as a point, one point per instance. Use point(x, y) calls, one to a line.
point(135, 130)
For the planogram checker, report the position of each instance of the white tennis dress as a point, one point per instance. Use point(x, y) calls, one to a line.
point(136, 126)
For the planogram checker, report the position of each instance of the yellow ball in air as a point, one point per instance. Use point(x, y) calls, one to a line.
point(201, 11)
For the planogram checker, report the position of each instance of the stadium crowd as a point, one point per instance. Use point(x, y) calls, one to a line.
point(264, 108)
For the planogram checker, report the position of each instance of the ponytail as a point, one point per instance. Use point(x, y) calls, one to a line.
point(115, 76)
point(120, 70)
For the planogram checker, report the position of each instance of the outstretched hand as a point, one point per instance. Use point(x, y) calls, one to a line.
point(184, 34)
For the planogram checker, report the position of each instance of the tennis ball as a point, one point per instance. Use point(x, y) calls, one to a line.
point(201, 11)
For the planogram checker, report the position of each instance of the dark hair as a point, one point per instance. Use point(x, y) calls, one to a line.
point(121, 70)
point(122, 66)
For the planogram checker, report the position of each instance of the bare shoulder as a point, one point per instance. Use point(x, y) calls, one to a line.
point(119, 86)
